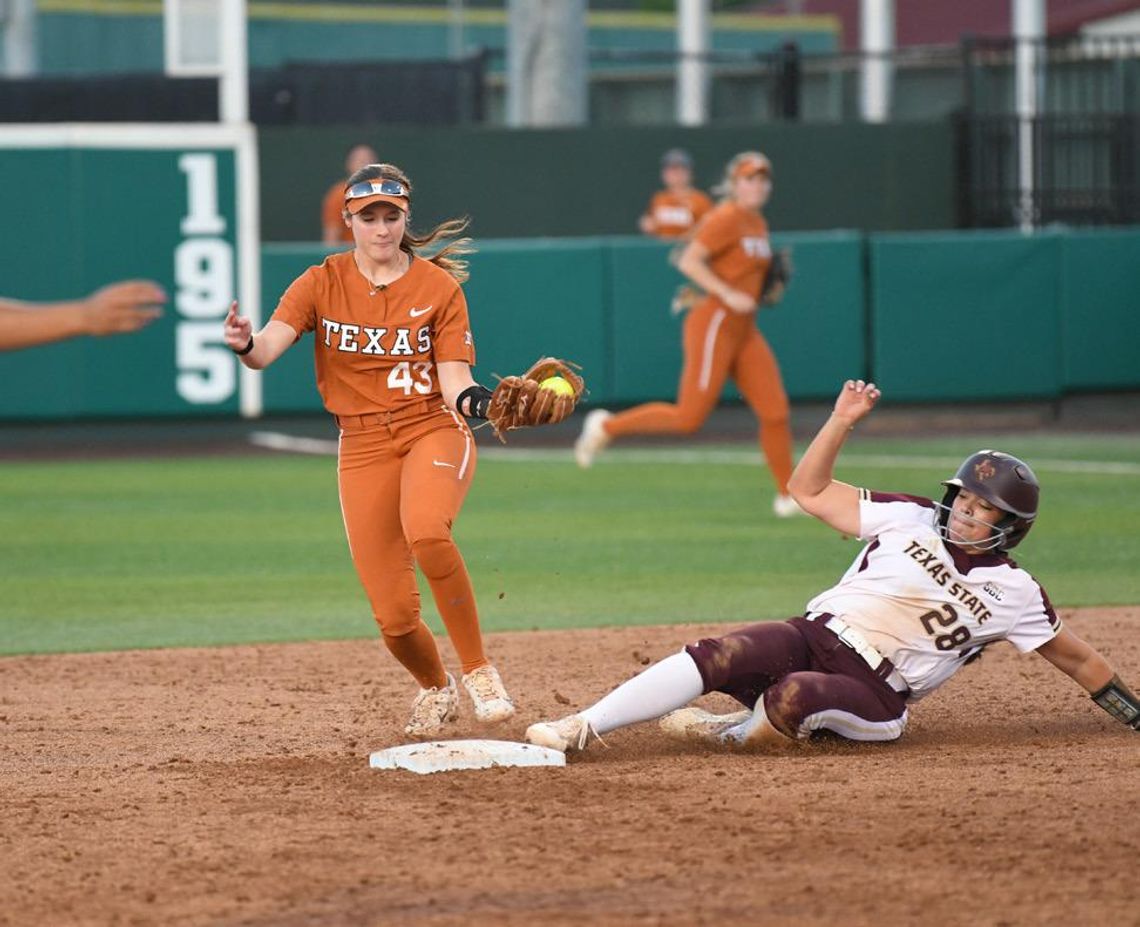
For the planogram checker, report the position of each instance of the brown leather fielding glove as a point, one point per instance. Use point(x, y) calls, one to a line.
point(519, 402)
point(778, 277)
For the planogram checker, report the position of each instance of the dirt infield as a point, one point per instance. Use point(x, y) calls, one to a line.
point(231, 786)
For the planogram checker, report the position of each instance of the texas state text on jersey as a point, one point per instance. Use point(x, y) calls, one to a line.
point(924, 604)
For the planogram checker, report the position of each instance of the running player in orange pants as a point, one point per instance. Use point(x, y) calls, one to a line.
point(728, 259)
point(393, 364)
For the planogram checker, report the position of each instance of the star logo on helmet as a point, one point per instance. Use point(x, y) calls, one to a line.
point(983, 470)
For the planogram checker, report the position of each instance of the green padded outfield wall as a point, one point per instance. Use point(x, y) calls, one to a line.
point(970, 316)
point(643, 337)
point(1100, 324)
point(80, 217)
point(574, 182)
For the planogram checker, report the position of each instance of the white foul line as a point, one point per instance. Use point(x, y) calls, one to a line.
point(282, 442)
point(276, 441)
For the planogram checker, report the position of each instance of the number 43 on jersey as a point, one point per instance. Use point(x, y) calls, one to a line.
point(407, 376)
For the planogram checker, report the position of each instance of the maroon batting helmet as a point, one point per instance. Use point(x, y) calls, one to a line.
point(1004, 482)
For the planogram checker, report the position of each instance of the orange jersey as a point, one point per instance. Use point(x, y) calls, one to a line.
point(332, 211)
point(378, 353)
point(675, 215)
point(738, 246)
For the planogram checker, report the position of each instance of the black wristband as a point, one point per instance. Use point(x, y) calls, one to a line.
point(478, 397)
point(1119, 701)
point(246, 349)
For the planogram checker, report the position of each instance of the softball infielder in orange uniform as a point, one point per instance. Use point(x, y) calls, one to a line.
point(728, 259)
point(393, 364)
point(674, 212)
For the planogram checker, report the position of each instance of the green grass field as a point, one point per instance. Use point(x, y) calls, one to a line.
point(147, 553)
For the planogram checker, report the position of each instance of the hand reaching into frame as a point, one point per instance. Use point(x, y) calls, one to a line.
point(122, 307)
point(856, 400)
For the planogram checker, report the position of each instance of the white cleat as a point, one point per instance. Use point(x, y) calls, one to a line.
point(593, 438)
point(747, 729)
point(698, 724)
point(567, 734)
point(432, 709)
point(492, 703)
point(785, 506)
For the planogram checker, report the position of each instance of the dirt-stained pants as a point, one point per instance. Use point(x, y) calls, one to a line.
point(719, 344)
point(402, 484)
point(808, 679)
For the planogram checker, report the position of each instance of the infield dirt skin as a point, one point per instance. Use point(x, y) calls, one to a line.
point(231, 786)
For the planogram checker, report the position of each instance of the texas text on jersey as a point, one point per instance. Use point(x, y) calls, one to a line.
point(376, 347)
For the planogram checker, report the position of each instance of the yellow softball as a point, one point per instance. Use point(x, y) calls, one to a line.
point(559, 385)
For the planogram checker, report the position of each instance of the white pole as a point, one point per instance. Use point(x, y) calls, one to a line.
point(876, 41)
point(455, 40)
point(233, 85)
point(692, 68)
point(20, 39)
point(248, 240)
point(1028, 32)
point(546, 63)
point(559, 91)
point(522, 27)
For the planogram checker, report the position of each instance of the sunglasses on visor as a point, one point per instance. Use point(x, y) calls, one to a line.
point(375, 188)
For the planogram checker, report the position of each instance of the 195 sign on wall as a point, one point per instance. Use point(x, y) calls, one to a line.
point(204, 282)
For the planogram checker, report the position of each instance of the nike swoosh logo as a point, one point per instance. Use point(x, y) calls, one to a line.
point(414, 311)
point(443, 463)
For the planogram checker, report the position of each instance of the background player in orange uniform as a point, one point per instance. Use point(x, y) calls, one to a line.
point(728, 259)
point(674, 212)
point(334, 231)
point(393, 364)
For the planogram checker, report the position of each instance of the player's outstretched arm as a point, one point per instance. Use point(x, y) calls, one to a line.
point(812, 484)
point(256, 351)
point(1086, 666)
point(115, 309)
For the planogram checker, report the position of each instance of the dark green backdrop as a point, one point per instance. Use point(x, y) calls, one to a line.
point(523, 183)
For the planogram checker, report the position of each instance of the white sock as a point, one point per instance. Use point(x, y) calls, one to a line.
point(664, 687)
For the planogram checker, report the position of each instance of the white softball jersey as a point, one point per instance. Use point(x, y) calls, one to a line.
point(926, 605)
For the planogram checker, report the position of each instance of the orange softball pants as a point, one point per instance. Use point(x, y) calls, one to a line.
point(719, 343)
point(402, 484)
